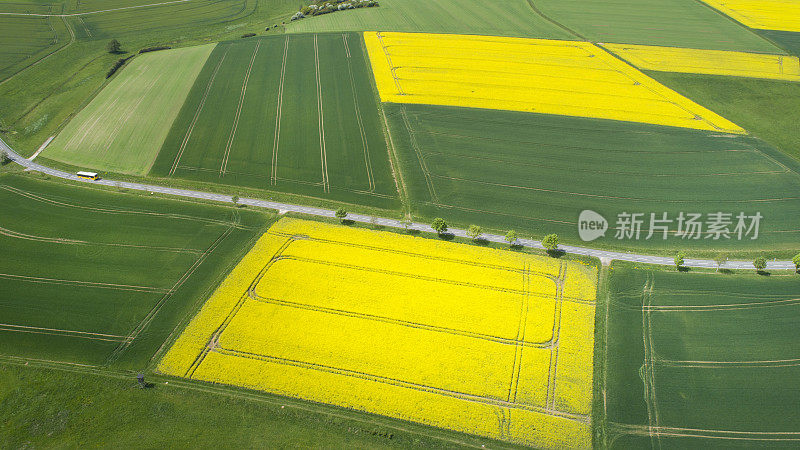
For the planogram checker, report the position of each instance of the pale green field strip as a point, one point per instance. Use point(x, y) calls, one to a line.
point(122, 129)
point(513, 18)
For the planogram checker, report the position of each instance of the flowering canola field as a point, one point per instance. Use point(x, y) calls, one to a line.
point(712, 62)
point(781, 15)
point(531, 75)
point(483, 341)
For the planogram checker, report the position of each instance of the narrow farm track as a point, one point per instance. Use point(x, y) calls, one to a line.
point(393, 223)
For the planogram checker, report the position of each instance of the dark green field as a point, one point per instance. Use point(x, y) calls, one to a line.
point(95, 277)
point(537, 173)
point(671, 23)
point(697, 359)
point(766, 108)
point(293, 114)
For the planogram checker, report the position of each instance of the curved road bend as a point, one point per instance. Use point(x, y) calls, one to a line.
point(604, 255)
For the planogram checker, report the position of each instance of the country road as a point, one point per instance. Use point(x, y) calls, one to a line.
point(604, 255)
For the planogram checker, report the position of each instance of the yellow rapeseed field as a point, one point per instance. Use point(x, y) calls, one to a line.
point(532, 75)
point(712, 62)
point(473, 339)
point(781, 15)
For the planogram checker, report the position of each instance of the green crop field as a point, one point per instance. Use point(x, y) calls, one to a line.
point(768, 109)
point(123, 128)
point(293, 114)
point(537, 172)
point(196, 13)
point(699, 359)
point(672, 23)
point(96, 277)
point(26, 39)
point(508, 18)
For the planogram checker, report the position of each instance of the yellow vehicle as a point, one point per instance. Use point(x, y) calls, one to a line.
point(88, 175)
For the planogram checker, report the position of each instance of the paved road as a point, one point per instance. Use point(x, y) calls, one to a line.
point(286, 207)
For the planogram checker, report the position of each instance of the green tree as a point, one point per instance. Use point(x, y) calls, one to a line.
point(406, 223)
point(760, 263)
point(511, 237)
point(439, 225)
point(113, 46)
point(474, 231)
point(679, 260)
point(550, 242)
point(341, 213)
point(720, 260)
point(796, 261)
point(4, 159)
point(235, 199)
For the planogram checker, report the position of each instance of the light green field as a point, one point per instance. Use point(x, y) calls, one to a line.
point(122, 129)
point(507, 18)
point(672, 23)
point(701, 359)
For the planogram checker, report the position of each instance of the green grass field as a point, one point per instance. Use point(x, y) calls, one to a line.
point(536, 173)
point(293, 114)
point(96, 277)
point(768, 109)
point(672, 23)
point(704, 359)
point(122, 129)
point(26, 39)
point(46, 407)
point(508, 18)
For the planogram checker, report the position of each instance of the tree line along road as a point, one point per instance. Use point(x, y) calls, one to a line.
point(604, 255)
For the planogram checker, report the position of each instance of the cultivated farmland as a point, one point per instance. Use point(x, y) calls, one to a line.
point(294, 114)
point(712, 62)
point(701, 359)
point(42, 35)
point(670, 23)
point(506, 18)
point(537, 172)
point(484, 341)
point(122, 129)
point(530, 75)
point(781, 15)
point(112, 281)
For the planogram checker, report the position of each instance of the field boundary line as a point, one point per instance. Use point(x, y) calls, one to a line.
point(643, 430)
point(359, 121)
point(580, 194)
point(60, 332)
point(276, 143)
point(17, 235)
point(400, 274)
point(473, 263)
point(649, 363)
point(420, 156)
point(93, 284)
point(197, 113)
point(39, 198)
point(142, 325)
point(402, 383)
point(95, 12)
point(238, 114)
point(516, 368)
point(323, 154)
point(550, 399)
point(405, 323)
point(43, 58)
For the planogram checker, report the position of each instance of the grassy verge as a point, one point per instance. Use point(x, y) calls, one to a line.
point(53, 407)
